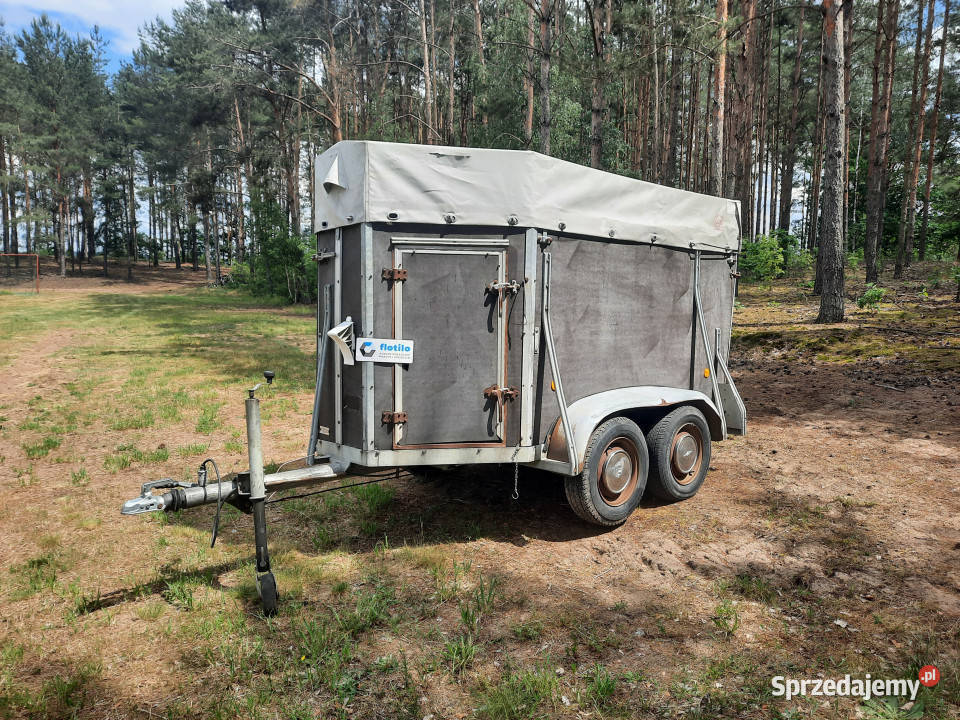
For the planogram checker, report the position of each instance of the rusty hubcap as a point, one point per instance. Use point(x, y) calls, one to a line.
point(686, 454)
point(618, 471)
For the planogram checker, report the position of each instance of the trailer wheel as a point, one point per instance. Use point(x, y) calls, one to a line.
point(679, 454)
point(614, 474)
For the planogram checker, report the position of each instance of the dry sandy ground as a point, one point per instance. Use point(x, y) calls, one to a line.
point(843, 501)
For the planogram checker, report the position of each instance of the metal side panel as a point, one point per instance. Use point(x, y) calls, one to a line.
point(366, 327)
point(326, 243)
point(529, 367)
point(351, 305)
point(337, 318)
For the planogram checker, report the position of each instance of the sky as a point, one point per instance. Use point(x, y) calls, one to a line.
point(118, 21)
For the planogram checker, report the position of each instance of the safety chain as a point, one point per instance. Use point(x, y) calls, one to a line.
point(516, 474)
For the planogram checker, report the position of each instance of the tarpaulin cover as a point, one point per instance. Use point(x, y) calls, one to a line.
point(365, 181)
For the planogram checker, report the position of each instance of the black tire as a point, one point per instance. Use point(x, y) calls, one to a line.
point(267, 588)
point(591, 494)
point(674, 475)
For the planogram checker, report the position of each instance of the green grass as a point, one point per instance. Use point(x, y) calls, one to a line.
point(518, 695)
point(127, 455)
point(36, 575)
point(192, 450)
point(208, 420)
point(140, 421)
point(42, 448)
point(726, 619)
point(459, 654)
point(756, 588)
point(531, 630)
point(601, 686)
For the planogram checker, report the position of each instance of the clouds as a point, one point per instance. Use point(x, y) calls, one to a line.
point(118, 21)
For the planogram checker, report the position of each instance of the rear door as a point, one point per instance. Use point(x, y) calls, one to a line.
point(457, 327)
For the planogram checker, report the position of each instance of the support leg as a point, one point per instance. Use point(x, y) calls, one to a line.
point(266, 583)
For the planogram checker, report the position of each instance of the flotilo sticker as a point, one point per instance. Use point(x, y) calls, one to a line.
point(385, 350)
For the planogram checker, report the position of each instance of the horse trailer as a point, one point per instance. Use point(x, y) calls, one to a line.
point(505, 307)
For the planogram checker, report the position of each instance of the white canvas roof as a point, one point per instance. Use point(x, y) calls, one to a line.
point(364, 181)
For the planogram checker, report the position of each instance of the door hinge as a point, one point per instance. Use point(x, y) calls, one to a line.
point(394, 274)
point(389, 417)
point(323, 256)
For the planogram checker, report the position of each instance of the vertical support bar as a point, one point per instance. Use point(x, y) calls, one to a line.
point(258, 490)
point(266, 584)
point(366, 317)
point(322, 340)
point(502, 330)
point(706, 343)
point(572, 456)
point(398, 334)
point(527, 370)
point(718, 349)
point(338, 360)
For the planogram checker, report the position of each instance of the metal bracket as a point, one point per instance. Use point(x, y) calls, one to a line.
point(323, 256)
point(573, 457)
point(343, 337)
point(501, 393)
point(393, 274)
point(389, 417)
point(511, 286)
point(544, 241)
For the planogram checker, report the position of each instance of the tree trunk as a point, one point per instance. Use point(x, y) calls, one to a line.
point(12, 200)
point(655, 141)
point(132, 210)
point(88, 215)
point(817, 169)
point(934, 121)
point(26, 205)
point(528, 79)
point(912, 168)
point(600, 15)
point(546, 56)
point(676, 104)
point(206, 246)
point(719, 96)
point(478, 29)
point(830, 248)
point(427, 78)
point(883, 65)
point(4, 191)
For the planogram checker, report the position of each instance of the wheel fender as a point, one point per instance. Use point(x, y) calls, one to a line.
point(587, 413)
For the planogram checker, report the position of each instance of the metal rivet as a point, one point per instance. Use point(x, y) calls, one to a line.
point(562, 226)
point(611, 233)
point(512, 220)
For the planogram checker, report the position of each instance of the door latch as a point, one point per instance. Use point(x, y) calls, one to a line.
point(512, 287)
point(394, 274)
point(389, 417)
point(501, 393)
